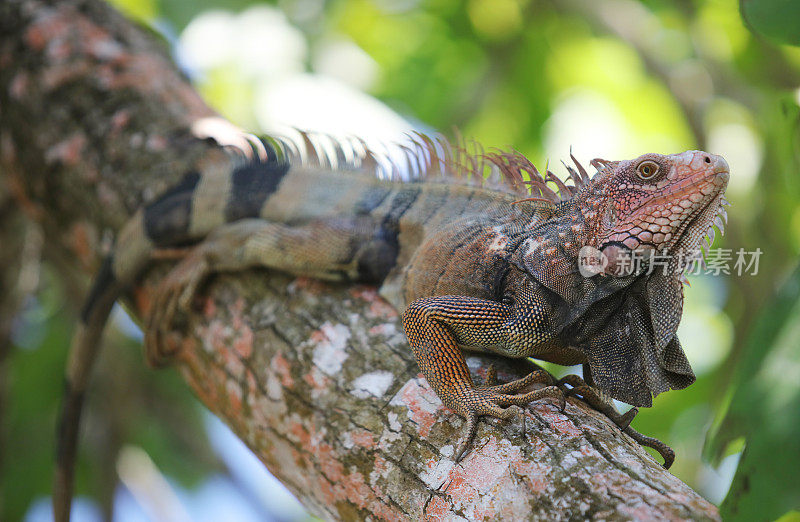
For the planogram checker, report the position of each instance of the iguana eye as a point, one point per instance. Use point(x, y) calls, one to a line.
point(647, 169)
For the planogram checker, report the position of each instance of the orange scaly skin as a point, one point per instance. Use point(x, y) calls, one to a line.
point(620, 211)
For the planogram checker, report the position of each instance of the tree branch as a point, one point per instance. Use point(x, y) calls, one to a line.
point(316, 379)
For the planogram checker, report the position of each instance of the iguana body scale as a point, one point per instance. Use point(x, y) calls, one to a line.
point(474, 267)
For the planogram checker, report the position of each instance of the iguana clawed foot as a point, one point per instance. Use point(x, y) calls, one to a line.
point(591, 396)
point(492, 399)
point(175, 293)
point(220, 251)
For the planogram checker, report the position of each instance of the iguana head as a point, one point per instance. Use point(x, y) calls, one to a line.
point(625, 321)
point(667, 203)
point(654, 202)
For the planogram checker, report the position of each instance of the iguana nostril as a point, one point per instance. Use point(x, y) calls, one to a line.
point(708, 160)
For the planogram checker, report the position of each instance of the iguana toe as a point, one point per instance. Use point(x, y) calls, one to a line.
point(492, 401)
point(580, 389)
point(174, 295)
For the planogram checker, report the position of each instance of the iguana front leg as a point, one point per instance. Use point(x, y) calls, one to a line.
point(435, 326)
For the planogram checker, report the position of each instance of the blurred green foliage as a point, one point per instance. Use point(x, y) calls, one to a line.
point(775, 19)
point(762, 408)
point(129, 405)
point(611, 77)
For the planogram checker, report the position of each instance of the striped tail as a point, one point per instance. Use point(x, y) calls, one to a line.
point(83, 353)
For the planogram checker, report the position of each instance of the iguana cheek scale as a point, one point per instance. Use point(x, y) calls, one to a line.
point(487, 265)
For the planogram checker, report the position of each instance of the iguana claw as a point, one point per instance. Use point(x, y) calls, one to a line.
point(492, 400)
point(174, 294)
point(579, 388)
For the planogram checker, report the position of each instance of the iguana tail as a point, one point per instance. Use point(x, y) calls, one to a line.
point(167, 221)
point(83, 353)
point(167, 216)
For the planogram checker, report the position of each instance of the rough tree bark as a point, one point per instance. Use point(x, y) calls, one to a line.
point(316, 379)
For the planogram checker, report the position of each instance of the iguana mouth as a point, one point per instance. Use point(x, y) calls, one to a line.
point(699, 229)
point(686, 188)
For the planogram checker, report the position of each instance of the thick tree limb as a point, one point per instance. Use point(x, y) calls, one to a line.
point(316, 379)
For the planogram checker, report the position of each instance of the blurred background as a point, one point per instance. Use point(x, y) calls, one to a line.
point(605, 78)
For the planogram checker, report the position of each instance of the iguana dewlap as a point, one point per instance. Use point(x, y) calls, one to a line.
point(484, 268)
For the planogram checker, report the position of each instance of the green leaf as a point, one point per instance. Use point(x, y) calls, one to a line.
point(765, 399)
point(791, 516)
point(141, 10)
point(778, 20)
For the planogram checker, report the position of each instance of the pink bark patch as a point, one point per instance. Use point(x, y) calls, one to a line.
point(68, 151)
point(234, 393)
point(337, 483)
point(316, 379)
point(243, 344)
point(483, 468)
point(437, 508)
point(252, 383)
point(381, 309)
point(379, 467)
point(282, 367)
point(363, 438)
point(422, 402)
point(384, 329)
point(119, 120)
point(306, 284)
point(366, 293)
point(43, 29)
point(587, 450)
point(238, 336)
point(560, 423)
point(483, 485)
point(535, 474)
point(218, 338)
point(378, 307)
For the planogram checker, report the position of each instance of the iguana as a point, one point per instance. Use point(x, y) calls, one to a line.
point(477, 250)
